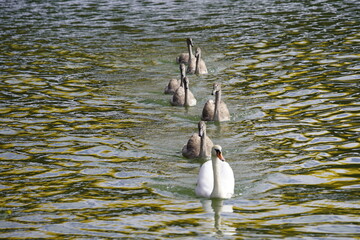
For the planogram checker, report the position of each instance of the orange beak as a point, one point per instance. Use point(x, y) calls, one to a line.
point(220, 156)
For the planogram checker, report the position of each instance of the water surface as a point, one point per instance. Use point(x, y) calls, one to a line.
point(91, 147)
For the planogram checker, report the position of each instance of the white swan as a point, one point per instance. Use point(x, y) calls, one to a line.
point(215, 111)
point(176, 83)
point(199, 144)
point(216, 178)
point(200, 64)
point(183, 96)
point(184, 57)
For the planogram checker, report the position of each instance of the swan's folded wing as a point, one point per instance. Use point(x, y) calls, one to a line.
point(178, 99)
point(192, 148)
point(228, 178)
point(208, 111)
point(202, 67)
point(172, 86)
point(208, 144)
point(205, 183)
point(224, 112)
point(192, 99)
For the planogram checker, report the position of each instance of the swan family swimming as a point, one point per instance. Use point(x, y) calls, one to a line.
point(216, 177)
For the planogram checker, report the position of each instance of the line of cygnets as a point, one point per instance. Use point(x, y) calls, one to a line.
point(216, 178)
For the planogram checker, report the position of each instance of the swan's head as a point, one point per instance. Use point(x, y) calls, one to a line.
point(202, 128)
point(189, 41)
point(217, 152)
point(216, 88)
point(198, 52)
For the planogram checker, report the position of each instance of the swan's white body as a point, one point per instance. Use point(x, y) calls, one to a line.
point(216, 178)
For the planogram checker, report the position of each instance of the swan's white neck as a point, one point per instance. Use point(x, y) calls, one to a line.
point(217, 105)
point(217, 191)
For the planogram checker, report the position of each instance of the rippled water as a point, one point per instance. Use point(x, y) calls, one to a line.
point(90, 146)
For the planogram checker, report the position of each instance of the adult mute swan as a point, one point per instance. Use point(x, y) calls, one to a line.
point(184, 57)
point(216, 178)
point(199, 145)
point(215, 111)
point(183, 96)
point(200, 64)
point(176, 83)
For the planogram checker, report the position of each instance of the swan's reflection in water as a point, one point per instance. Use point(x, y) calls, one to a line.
point(217, 207)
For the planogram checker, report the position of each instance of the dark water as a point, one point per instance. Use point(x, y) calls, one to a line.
point(90, 146)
